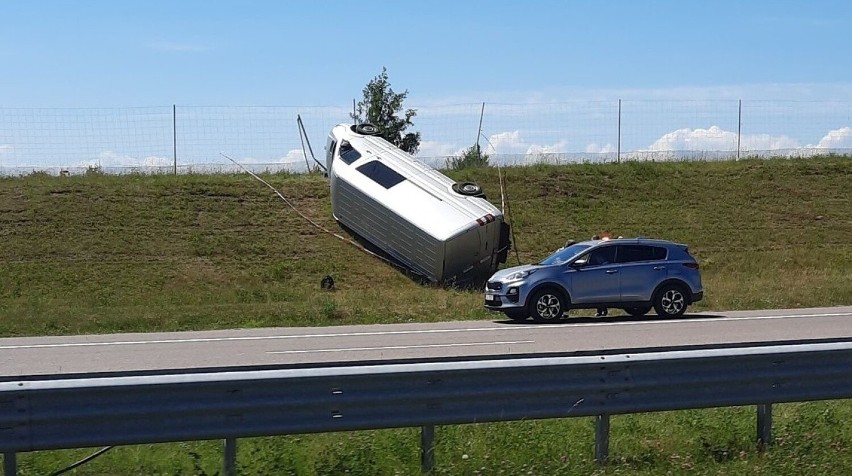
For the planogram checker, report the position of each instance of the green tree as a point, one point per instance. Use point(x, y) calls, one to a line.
point(470, 158)
point(380, 107)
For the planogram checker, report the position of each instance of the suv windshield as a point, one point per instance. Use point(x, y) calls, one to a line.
point(564, 254)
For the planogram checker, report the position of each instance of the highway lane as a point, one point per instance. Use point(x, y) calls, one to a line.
point(66, 355)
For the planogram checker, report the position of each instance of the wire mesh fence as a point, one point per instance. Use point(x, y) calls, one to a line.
point(178, 139)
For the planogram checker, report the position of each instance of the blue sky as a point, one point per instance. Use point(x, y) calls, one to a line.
point(288, 53)
point(154, 53)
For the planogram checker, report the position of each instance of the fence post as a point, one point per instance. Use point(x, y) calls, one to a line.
point(479, 131)
point(230, 467)
point(618, 147)
point(10, 466)
point(174, 135)
point(764, 426)
point(427, 449)
point(602, 439)
point(739, 126)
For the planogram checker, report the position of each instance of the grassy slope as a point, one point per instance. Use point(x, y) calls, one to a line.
point(98, 254)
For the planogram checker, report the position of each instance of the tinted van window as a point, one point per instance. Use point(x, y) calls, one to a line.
point(348, 153)
point(381, 173)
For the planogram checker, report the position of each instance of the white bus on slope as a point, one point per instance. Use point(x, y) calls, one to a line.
point(440, 229)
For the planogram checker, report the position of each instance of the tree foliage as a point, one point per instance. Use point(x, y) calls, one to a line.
point(381, 106)
point(470, 158)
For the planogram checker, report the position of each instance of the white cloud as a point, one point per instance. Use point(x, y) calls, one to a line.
point(508, 142)
point(713, 138)
point(5, 149)
point(837, 139)
point(595, 148)
point(557, 148)
point(512, 143)
point(717, 139)
point(109, 158)
point(295, 155)
point(435, 149)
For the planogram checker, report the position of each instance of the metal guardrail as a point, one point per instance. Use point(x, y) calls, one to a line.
point(83, 412)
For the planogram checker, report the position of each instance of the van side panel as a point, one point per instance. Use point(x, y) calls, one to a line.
point(388, 231)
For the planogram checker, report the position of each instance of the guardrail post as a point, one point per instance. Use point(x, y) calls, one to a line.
point(764, 426)
point(10, 466)
point(427, 449)
point(601, 439)
point(230, 457)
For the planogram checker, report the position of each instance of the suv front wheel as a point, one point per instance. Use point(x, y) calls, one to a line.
point(670, 301)
point(547, 305)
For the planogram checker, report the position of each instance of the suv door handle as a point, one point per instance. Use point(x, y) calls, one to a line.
point(659, 268)
point(611, 271)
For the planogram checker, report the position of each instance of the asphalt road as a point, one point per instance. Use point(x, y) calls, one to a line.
point(67, 355)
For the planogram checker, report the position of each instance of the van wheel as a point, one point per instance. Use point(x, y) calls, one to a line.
point(547, 305)
point(670, 301)
point(366, 129)
point(467, 188)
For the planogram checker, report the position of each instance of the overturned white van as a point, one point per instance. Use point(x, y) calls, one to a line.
point(439, 229)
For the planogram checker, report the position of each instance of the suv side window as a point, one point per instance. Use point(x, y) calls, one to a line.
point(632, 253)
point(601, 256)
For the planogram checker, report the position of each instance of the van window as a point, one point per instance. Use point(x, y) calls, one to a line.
point(348, 153)
point(330, 152)
point(381, 173)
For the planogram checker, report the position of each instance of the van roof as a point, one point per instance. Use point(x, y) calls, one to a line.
point(424, 197)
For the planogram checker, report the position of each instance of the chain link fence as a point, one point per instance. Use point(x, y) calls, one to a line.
point(180, 139)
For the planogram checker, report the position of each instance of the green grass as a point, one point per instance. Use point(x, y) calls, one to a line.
point(810, 438)
point(97, 254)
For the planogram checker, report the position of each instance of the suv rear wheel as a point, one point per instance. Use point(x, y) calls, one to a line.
point(670, 301)
point(547, 305)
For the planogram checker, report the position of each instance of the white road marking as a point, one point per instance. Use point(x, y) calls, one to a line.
point(400, 347)
point(415, 332)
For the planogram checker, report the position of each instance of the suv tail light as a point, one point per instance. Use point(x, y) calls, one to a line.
point(691, 265)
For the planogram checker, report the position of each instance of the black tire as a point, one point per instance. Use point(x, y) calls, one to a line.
point(670, 301)
point(467, 188)
point(366, 129)
point(637, 311)
point(547, 305)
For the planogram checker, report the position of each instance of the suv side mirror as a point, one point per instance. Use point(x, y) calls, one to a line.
point(580, 263)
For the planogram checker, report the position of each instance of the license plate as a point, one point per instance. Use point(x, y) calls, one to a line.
point(491, 297)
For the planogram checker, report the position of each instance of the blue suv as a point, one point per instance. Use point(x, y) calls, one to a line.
point(633, 274)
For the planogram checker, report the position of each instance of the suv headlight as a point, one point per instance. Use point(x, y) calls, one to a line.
point(519, 275)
